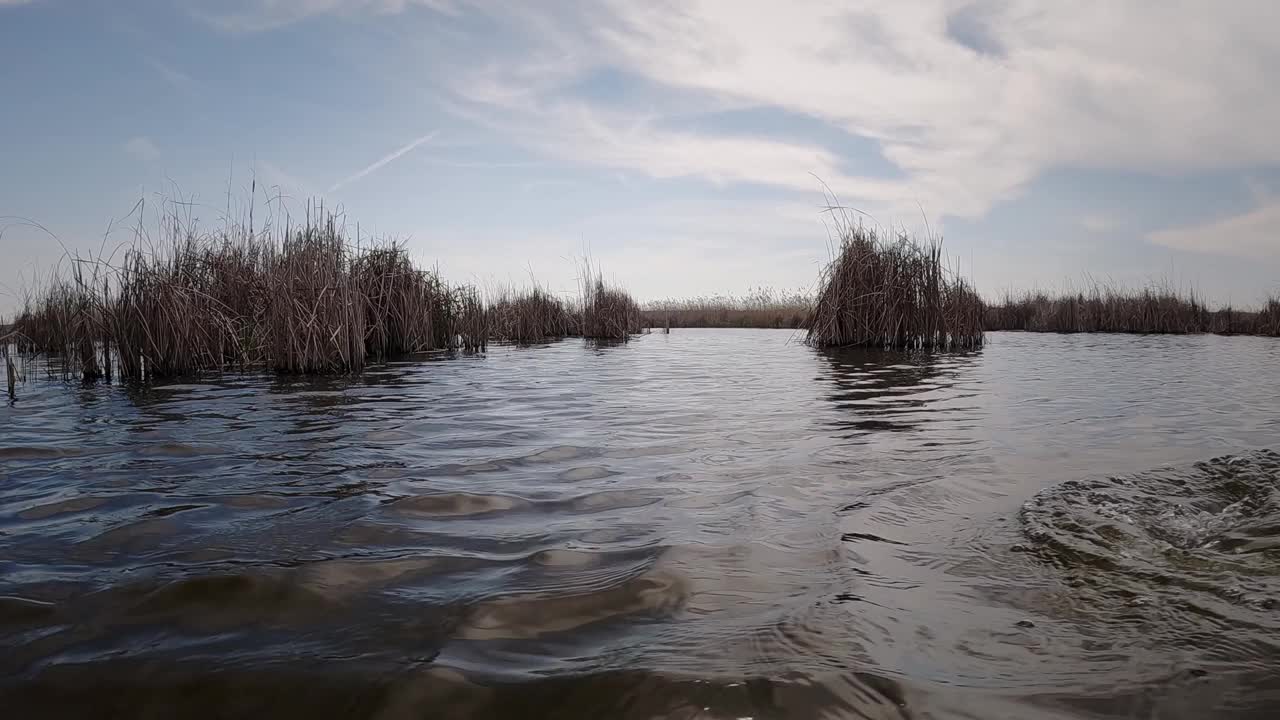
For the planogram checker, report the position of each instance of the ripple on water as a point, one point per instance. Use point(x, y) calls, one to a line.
point(39, 453)
point(128, 539)
point(227, 599)
point(1181, 561)
point(177, 450)
point(1213, 511)
point(62, 507)
point(613, 500)
point(655, 593)
point(20, 610)
point(255, 502)
point(457, 504)
point(341, 578)
point(585, 473)
point(559, 454)
point(712, 524)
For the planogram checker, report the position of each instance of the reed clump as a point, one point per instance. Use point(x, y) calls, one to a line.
point(1156, 309)
point(531, 315)
point(400, 302)
point(759, 308)
point(301, 300)
point(608, 312)
point(893, 292)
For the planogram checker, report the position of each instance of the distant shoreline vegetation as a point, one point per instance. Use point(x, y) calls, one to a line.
point(305, 298)
point(1157, 309)
point(759, 308)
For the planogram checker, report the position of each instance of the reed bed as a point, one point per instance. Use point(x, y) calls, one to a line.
point(1158, 309)
point(893, 292)
point(759, 308)
point(302, 300)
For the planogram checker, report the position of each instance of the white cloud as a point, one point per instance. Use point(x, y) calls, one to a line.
point(382, 161)
point(1099, 224)
point(581, 132)
point(971, 100)
point(1252, 235)
point(142, 148)
point(1135, 85)
point(970, 112)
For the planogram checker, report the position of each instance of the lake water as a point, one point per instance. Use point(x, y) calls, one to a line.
point(706, 524)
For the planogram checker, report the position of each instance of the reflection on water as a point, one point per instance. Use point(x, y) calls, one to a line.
point(707, 524)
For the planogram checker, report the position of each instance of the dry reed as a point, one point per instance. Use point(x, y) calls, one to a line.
point(893, 293)
point(531, 315)
point(1156, 309)
point(608, 312)
point(299, 301)
point(760, 308)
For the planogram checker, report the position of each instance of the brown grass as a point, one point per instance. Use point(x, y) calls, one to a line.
point(1156, 309)
point(893, 293)
point(760, 308)
point(531, 315)
point(299, 301)
point(467, 319)
point(608, 312)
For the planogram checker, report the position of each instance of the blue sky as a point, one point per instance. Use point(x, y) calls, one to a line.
point(679, 143)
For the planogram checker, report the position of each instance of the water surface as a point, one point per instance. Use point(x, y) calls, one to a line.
point(706, 524)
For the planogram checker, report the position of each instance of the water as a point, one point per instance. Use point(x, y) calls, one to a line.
point(707, 524)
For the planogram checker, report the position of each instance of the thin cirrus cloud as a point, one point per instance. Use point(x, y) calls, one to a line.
point(177, 79)
point(382, 162)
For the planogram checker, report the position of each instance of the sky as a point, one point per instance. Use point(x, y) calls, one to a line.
point(689, 147)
